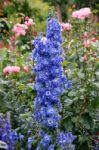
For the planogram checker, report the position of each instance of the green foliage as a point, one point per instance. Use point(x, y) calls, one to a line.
point(84, 3)
point(17, 93)
point(57, 1)
point(40, 13)
point(81, 104)
point(36, 9)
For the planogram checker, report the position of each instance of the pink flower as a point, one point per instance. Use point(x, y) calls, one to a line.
point(20, 29)
point(26, 18)
point(29, 22)
point(75, 14)
point(94, 54)
point(11, 69)
point(85, 57)
point(87, 43)
point(66, 26)
point(26, 69)
point(86, 12)
point(15, 69)
point(1, 44)
point(82, 13)
point(7, 70)
point(94, 39)
point(12, 47)
point(13, 38)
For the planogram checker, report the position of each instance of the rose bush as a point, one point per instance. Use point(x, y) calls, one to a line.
point(81, 102)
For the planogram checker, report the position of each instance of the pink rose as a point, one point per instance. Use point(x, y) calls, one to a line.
point(82, 13)
point(1, 44)
point(66, 26)
point(13, 38)
point(94, 39)
point(85, 57)
point(20, 29)
point(87, 43)
point(15, 69)
point(11, 69)
point(26, 69)
point(75, 14)
point(26, 18)
point(7, 70)
point(94, 54)
point(29, 22)
point(86, 12)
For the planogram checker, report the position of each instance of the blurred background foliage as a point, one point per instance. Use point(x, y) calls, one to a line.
point(16, 10)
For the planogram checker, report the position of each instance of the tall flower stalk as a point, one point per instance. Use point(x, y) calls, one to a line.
point(50, 81)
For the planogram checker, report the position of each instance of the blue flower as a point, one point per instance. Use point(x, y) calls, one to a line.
point(8, 135)
point(65, 140)
point(51, 147)
point(54, 32)
point(13, 136)
point(41, 133)
point(70, 137)
point(61, 141)
point(30, 141)
point(96, 147)
point(50, 84)
point(68, 85)
point(45, 142)
point(38, 148)
point(51, 123)
point(29, 132)
point(7, 126)
point(21, 136)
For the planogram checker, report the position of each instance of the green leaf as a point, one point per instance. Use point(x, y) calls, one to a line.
point(68, 124)
point(96, 84)
point(65, 63)
point(97, 73)
point(68, 102)
point(81, 75)
point(87, 121)
point(71, 94)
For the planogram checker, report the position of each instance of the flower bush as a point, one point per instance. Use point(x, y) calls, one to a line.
point(81, 103)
